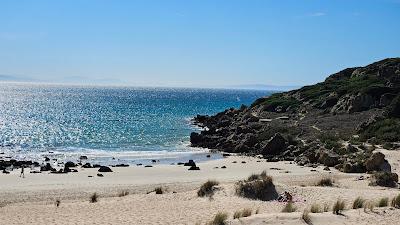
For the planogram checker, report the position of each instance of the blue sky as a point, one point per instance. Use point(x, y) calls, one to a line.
point(194, 43)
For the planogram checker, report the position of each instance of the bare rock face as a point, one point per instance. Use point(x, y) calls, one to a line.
point(275, 145)
point(377, 162)
point(354, 103)
point(329, 159)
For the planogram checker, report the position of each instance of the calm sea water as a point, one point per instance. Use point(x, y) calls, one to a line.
point(106, 121)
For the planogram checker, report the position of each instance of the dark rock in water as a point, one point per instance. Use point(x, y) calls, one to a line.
point(83, 157)
point(223, 167)
point(67, 169)
point(226, 155)
point(96, 166)
point(35, 171)
point(275, 145)
point(194, 168)
point(70, 164)
point(121, 165)
point(190, 163)
point(243, 161)
point(208, 156)
point(104, 169)
point(46, 159)
point(377, 162)
point(180, 163)
point(5, 171)
point(87, 165)
point(90, 176)
point(100, 175)
point(139, 164)
point(153, 161)
point(147, 166)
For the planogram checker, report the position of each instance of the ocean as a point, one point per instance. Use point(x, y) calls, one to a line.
point(107, 123)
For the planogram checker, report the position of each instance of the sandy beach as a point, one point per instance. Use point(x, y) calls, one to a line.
point(32, 200)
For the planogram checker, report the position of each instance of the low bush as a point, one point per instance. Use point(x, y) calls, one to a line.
point(259, 187)
point(385, 179)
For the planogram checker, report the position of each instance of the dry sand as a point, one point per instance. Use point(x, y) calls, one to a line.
point(32, 200)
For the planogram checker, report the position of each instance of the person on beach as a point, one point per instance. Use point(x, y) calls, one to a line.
point(22, 172)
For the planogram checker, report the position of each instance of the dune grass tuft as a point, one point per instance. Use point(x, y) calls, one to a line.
point(207, 189)
point(306, 217)
point(159, 190)
point(338, 207)
point(242, 213)
point(383, 202)
point(325, 182)
point(396, 201)
point(94, 198)
point(289, 208)
point(326, 207)
point(369, 205)
point(219, 219)
point(358, 203)
point(315, 208)
point(123, 193)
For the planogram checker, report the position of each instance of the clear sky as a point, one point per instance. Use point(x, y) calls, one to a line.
point(199, 43)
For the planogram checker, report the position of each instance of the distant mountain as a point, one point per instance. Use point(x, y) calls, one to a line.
point(265, 87)
point(15, 78)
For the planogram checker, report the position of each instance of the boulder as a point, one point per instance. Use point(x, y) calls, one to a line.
point(194, 168)
point(196, 138)
point(329, 159)
point(104, 169)
point(275, 145)
point(377, 162)
point(70, 164)
point(87, 165)
point(190, 163)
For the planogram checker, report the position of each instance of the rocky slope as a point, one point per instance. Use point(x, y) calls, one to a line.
point(336, 122)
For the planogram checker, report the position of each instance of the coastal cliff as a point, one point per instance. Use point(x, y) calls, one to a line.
point(337, 122)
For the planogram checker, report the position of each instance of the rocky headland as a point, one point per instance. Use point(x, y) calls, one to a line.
point(336, 123)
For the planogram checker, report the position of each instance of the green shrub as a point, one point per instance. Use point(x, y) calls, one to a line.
point(385, 130)
point(207, 189)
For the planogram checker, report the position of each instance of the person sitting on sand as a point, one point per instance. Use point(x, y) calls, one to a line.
point(22, 172)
